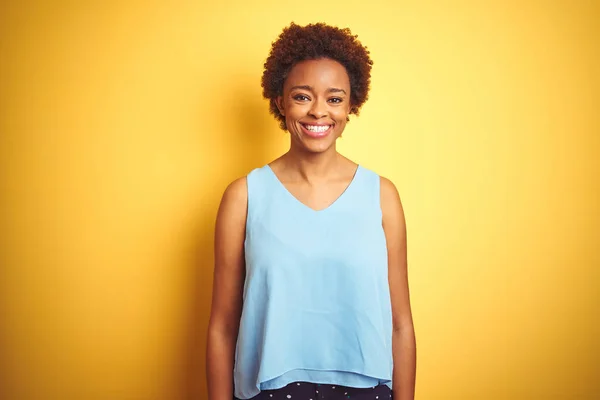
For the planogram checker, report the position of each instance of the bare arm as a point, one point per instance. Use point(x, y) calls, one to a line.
point(403, 337)
point(229, 274)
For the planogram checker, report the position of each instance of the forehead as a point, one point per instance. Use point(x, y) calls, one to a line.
point(319, 74)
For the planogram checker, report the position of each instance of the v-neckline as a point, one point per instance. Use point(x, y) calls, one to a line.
point(332, 204)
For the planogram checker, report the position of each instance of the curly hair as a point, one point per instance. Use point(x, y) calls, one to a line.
point(311, 42)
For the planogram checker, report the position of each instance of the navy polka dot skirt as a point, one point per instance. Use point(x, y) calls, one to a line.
point(313, 391)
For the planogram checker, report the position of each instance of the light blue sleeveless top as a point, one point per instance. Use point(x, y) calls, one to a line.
point(316, 302)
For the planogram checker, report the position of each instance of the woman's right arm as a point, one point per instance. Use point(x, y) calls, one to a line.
point(228, 283)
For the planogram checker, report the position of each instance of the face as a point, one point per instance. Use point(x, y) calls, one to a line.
point(315, 104)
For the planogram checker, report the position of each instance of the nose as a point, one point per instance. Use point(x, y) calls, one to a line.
point(318, 109)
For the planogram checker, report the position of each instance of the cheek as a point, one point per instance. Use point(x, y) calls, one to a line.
point(342, 114)
point(295, 111)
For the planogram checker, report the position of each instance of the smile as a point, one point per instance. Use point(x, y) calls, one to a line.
point(316, 130)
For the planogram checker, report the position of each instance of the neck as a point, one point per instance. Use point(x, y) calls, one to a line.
point(311, 166)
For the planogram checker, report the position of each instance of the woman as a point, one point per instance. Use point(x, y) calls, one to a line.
point(311, 295)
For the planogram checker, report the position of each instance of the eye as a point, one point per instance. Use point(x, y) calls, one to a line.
point(301, 97)
point(336, 100)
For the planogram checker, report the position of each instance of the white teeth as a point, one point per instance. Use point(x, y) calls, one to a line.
point(317, 128)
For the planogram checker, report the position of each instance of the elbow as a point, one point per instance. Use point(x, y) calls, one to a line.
point(223, 330)
point(403, 328)
point(404, 336)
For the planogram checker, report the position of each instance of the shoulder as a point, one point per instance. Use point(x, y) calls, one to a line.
point(235, 198)
point(389, 192)
point(391, 205)
point(237, 190)
point(387, 189)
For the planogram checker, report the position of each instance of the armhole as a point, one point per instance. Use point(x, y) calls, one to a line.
point(372, 195)
point(378, 206)
point(249, 200)
point(254, 190)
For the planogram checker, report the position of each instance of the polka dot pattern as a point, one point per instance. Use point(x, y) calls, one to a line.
point(312, 391)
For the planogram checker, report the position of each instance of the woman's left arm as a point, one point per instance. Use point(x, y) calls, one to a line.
point(404, 346)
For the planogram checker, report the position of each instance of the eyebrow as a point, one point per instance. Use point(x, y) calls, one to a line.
point(330, 90)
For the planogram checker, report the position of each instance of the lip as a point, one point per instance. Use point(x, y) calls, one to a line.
point(316, 134)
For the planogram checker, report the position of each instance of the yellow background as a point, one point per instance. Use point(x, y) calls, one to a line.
point(121, 123)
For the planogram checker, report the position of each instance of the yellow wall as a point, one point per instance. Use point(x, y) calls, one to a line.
point(122, 122)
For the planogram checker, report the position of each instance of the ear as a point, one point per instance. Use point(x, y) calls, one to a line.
point(279, 103)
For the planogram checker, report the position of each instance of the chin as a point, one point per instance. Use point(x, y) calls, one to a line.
point(318, 147)
point(315, 145)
